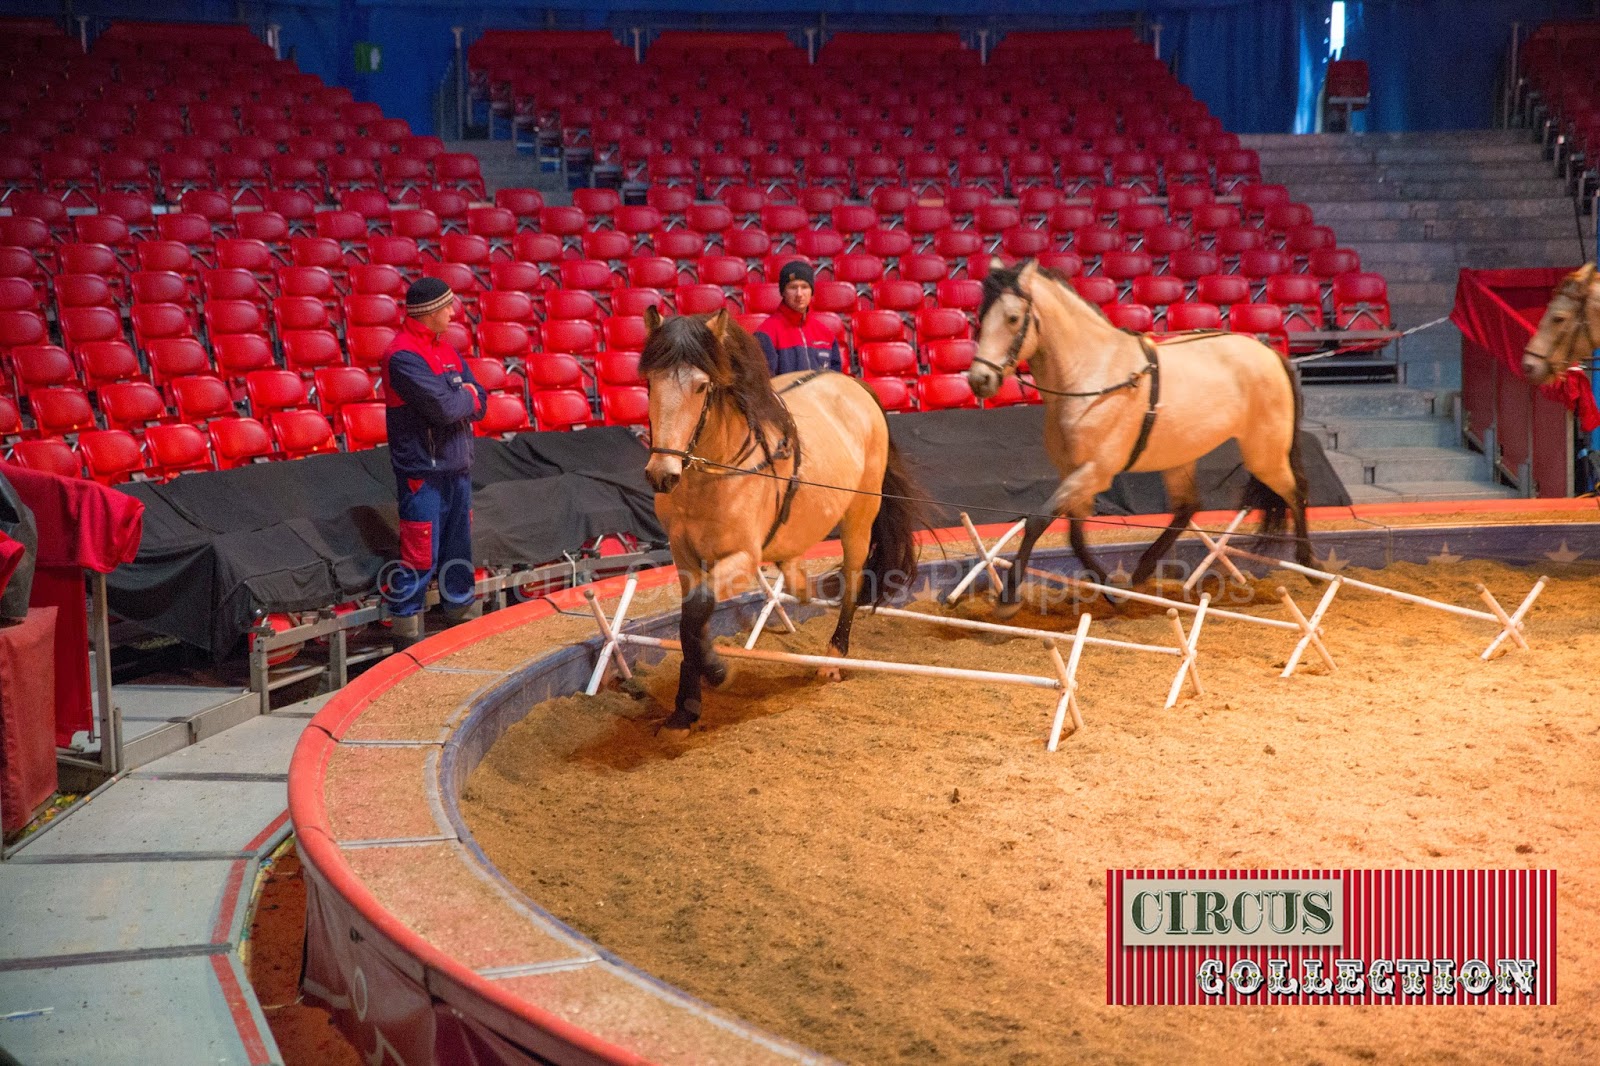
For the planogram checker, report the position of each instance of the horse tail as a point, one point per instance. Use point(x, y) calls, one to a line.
point(891, 564)
point(1258, 496)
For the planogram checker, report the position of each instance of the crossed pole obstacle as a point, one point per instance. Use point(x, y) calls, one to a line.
point(1510, 625)
point(1216, 552)
point(1065, 681)
point(773, 590)
point(988, 561)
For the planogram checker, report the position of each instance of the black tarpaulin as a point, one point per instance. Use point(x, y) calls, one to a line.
point(296, 536)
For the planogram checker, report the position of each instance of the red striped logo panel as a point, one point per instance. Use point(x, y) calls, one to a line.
point(1411, 937)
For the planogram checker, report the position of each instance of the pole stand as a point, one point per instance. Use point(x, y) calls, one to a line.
point(1216, 552)
point(988, 558)
point(1512, 625)
point(610, 628)
point(774, 593)
point(1310, 630)
point(1190, 645)
point(1067, 673)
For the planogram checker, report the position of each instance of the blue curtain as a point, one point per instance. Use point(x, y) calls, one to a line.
point(1434, 63)
point(1247, 60)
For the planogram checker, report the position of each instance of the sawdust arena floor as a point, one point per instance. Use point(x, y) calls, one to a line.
point(893, 870)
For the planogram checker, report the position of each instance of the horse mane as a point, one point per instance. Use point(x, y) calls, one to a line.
point(736, 367)
point(1001, 280)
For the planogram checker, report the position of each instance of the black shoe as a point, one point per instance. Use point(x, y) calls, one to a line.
point(406, 631)
point(464, 613)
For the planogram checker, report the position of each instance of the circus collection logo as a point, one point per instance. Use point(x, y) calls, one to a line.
point(1337, 936)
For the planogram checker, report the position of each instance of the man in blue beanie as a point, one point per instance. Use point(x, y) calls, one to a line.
point(432, 400)
point(791, 338)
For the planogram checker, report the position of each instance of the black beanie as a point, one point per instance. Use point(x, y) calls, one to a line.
point(796, 270)
point(426, 296)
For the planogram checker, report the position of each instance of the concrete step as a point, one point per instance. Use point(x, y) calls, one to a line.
point(1404, 155)
point(1384, 466)
point(1428, 491)
point(1538, 227)
point(1339, 213)
point(1446, 138)
point(1426, 294)
point(1332, 403)
point(1322, 187)
point(1361, 434)
point(1503, 253)
point(1510, 175)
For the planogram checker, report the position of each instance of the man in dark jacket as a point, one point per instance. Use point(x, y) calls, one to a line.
point(432, 399)
point(791, 338)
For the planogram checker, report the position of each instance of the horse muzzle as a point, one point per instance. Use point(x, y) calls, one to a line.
point(1536, 368)
point(664, 472)
point(984, 382)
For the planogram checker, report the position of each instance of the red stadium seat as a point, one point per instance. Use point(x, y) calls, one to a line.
point(1097, 290)
point(274, 390)
point(62, 411)
point(303, 433)
point(176, 449)
point(43, 366)
point(201, 399)
point(505, 415)
point(110, 456)
point(1263, 320)
point(624, 405)
point(49, 456)
point(241, 353)
point(366, 426)
point(949, 356)
point(339, 386)
point(1223, 289)
point(1300, 297)
point(1192, 316)
point(937, 392)
point(239, 442)
point(131, 405)
point(893, 394)
point(504, 341)
point(561, 409)
point(105, 362)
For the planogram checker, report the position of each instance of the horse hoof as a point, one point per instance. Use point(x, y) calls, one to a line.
point(715, 671)
point(686, 715)
point(829, 673)
point(1006, 611)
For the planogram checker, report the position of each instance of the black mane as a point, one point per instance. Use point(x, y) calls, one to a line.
point(1001, 280)
point(736, 367)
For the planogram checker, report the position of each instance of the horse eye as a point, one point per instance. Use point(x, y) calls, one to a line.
point(1013, 319)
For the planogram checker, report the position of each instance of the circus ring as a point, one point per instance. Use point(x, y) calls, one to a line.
point(427, 953)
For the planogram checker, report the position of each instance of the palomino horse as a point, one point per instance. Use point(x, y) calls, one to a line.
point(1569, 332)
point(1117, 402)
point(751, 469)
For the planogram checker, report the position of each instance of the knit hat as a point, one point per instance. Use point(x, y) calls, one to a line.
point(426, 296)
point(796, 270)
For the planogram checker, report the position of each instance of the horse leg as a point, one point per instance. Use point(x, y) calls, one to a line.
point(795, 580)
point(698, 604)
point(1184, 501)
point(855, 538)
point(1011, 596)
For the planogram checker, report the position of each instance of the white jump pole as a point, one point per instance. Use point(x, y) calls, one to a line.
point(1183, 651)
point(775, 597)
point(988, 558)
point(1216, 553)
point(1511, 626)
point(1064, 681)
point(1110, 591)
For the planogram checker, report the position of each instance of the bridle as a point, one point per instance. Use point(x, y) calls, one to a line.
point(1014, 353)
point(686, 453)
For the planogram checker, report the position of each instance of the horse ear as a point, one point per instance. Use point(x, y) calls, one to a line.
point(996, 263)
point(1025, 275)
point(652, 318)
point(718, 324)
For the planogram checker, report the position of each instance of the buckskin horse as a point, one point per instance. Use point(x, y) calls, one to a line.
point(1117, 401)
point(751, 469)
point(1569, 331)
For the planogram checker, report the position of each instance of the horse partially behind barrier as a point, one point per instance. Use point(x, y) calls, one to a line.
point(1117, 402)
point(1569, 330)
point(750, 468)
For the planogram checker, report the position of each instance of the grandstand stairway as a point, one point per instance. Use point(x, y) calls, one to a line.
point(506, 168)
point(1419, 207)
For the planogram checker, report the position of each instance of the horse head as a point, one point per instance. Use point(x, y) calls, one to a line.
point(684, 364)
point(1569, 330)
point(1008, 328)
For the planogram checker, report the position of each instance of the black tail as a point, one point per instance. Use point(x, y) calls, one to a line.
point(891, 565)
point(1258, 496)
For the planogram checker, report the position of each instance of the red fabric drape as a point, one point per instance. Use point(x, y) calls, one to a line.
point(82, 526)
point(1500, 309)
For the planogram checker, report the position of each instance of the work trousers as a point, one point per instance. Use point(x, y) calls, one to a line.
point(435, 541)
